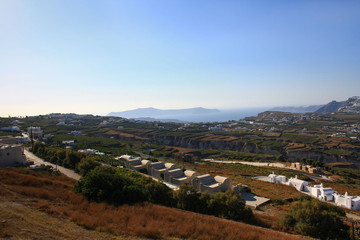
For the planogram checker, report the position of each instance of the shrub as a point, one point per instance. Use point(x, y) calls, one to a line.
point(316, 219)
point(86, 165)
point(227, 205)
point(119, 186)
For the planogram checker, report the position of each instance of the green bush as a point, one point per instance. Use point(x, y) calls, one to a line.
point(86, 165)
point(316, 219)
point(119, 186)
point(227, 205)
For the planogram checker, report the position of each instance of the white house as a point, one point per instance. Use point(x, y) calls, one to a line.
point(12, 155)
point(70, 143)
point(128, 157)
point(91, 151)
point(36, 132)
point(76, 133)
point(156, 169)
point(11, 129)
point(273, 178)
point(318, 191)
point(15, 122)
point(134, 164)
point(206, 183)
point(178, 177)
point(300, 185)
point(347, 201)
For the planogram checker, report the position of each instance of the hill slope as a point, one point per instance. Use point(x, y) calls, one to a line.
point(301, 109)
point(53, 194)
point(352, 105)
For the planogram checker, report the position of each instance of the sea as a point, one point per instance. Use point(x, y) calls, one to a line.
point(221, 116)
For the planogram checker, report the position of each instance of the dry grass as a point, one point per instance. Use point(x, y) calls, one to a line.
point(54, 195)
point(22, 222)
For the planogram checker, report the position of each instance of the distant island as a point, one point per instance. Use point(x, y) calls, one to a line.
point(168, 115)
point(200, 114)
point(155, 113)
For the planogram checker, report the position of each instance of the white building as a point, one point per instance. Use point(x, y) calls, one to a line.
point(76, 133)
point(273, 178)
point(178, 177)
point(91, 151)
point(300, 185)
point(36, 132)
point(11, 129)
point(129, 157)
point(12, 155)
point(347, 201)
point(207, 183)
point(70, 143)
point(318, 191)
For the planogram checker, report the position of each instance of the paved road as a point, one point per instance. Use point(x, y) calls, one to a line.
point(38, 161)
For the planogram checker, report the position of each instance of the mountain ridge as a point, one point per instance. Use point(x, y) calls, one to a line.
point(299, 109)
point(351, 105)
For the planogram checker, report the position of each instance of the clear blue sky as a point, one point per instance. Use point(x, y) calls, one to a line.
point(102, 56)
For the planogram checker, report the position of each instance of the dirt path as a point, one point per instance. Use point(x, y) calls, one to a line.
point(38, 161)
point(257, 164)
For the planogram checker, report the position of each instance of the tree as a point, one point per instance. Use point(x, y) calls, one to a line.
point(86, 165)
point(187, 198)
point(316, 219)
point(280, 158)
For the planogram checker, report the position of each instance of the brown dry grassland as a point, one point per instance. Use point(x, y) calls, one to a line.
point(53, 195)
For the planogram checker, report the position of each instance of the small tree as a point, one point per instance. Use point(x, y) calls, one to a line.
point(187, 198)
point(86, 165)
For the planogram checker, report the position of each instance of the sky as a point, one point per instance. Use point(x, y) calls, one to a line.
point(105, 56)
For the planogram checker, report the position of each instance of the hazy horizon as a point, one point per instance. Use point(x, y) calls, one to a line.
point(104, 56)
point(224, 111)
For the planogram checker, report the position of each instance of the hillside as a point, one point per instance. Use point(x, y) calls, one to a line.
point(301, 109)
point(352, 105)
point(332, 106)
point(46, 201)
